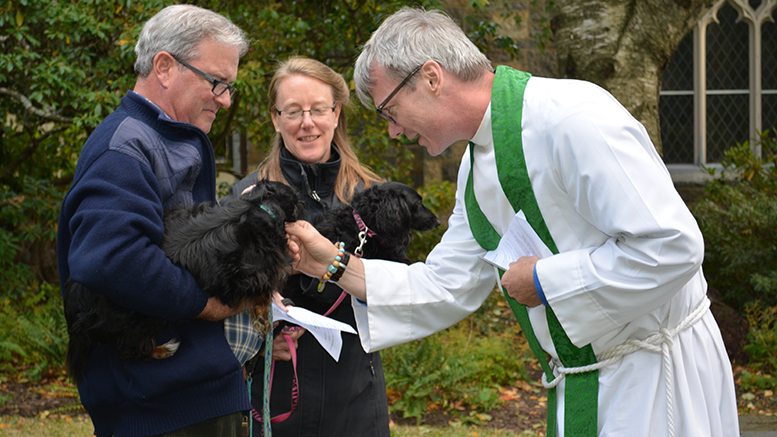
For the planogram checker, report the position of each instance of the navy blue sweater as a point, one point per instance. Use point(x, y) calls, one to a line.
point(135, 165)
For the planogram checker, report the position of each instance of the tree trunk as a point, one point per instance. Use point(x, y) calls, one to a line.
point(624, 47)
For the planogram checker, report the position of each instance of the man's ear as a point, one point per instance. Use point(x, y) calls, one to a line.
point(164, 68)
point(432, 74)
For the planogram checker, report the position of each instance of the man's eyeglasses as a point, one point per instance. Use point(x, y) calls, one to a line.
point(295, 113)
point(380, 107)
point(219, 86)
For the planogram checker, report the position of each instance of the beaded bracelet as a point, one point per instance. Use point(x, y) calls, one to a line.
point(341, 268)
point(332, 267)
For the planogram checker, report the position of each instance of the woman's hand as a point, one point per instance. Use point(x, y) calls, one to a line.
point(280, 347)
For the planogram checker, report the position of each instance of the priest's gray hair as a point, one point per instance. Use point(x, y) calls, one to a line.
point(178, 29)
point(410, 37)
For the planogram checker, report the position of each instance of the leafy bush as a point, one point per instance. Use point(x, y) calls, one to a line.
point(762, 338)
point(33, 343)
point(749, 381)
point(459, 369)
point(33, 334)
point(439, 198)
point(738, 217)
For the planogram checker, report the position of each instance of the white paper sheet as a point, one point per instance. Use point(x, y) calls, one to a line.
point(519, 240)
point(327, 331)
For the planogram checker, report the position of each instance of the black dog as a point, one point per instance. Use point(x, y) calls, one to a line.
point(237, 253)
point(378, 222)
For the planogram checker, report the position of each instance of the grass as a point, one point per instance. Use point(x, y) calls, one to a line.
point(65, 426)
point(454, 431)
point(50, 426)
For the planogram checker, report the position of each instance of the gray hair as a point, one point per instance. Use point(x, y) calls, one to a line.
point(178, 29)
point(410, 37)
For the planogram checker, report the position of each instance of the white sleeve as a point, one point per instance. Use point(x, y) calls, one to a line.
point(627, 242)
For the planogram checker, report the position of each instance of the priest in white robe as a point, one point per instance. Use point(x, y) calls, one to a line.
point(619, 303)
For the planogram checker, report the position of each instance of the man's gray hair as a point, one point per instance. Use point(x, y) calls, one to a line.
point(410, 37)
point(178, 29)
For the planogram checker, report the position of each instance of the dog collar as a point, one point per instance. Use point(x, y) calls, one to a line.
point(268, 211)
point(363, 227)
point(364, 232)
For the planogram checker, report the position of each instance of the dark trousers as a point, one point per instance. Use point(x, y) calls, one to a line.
point(224, 426)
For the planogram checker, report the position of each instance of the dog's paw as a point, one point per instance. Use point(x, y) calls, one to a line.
point(166, 350)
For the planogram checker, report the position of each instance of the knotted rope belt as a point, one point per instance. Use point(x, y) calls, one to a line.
point(660, 342)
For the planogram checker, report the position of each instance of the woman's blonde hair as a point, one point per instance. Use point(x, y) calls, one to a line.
point(351, 170)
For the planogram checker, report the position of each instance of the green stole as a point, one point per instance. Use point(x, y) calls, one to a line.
point(581, 390)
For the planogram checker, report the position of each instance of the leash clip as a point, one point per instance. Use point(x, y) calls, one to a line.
point(362, 239)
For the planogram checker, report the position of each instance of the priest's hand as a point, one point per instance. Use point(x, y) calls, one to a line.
point(312, 253)
point(518, 281)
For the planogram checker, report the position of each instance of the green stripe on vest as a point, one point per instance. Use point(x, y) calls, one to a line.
point(580, 415)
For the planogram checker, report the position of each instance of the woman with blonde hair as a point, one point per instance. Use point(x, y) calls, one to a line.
point(310, 152)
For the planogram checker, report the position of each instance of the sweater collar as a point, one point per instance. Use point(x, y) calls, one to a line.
point(154, 115)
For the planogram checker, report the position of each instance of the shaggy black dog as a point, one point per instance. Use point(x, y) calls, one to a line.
point(237, 252)
point(378, 222)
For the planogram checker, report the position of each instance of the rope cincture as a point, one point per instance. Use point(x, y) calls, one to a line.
point(660, 342)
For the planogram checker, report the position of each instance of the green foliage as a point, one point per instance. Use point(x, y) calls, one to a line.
point(33, 335)
point(458, 370)
point(544, 33)
point(762, 338)
point(64, 66)
point(749, 381)
point(484, 32)
point(738, 217)
point(33, 341)
point(28, 225)
point(439, 197)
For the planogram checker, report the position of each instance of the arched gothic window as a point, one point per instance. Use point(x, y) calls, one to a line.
point(720, 88)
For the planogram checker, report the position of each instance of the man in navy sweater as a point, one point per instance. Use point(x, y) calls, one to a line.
point(150, 155)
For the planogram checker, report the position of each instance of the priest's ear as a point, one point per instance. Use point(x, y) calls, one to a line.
point(433, 75)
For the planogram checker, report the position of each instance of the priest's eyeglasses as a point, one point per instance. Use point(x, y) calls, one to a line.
point(219, 86)
point(380, 107)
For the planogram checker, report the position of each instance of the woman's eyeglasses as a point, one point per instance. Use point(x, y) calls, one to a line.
point(296, 113)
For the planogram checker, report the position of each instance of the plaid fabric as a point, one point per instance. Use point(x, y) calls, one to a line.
point(243, 338)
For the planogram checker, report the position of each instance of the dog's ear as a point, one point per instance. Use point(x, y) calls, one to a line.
point(386, 210)
point(422, 218)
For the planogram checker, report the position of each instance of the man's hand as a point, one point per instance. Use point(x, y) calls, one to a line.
point(216, 310)
point(518, 280)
